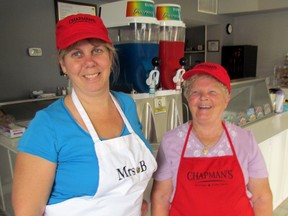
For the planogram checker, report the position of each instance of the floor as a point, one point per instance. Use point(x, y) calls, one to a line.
point(282, 210)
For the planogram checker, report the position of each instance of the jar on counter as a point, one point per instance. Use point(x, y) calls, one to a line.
point(279, 101)
point(64, 91)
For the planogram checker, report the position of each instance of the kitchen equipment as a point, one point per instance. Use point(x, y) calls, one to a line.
point(134, 30)
point(159, 113)
point(172, 42)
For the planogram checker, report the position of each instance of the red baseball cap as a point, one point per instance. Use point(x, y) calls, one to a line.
point(212, 69)
point(78, 27)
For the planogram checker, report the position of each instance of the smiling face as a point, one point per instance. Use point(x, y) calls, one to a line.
point(207, 99)
point(88, 64)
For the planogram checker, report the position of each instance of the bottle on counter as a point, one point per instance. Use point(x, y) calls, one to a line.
point(279, 101)
point(58, 91)
point(286, 59)
point(64, 91)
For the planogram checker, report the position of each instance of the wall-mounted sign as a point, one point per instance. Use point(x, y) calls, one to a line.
point(213, 45)
point(66, 8)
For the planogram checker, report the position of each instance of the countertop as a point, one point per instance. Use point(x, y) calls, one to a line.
point(262, 130)
point(269, 126)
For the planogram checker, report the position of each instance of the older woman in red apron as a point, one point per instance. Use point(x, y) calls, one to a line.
point(209, 167)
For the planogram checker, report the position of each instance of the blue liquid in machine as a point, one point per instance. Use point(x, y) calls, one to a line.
point(135, 64)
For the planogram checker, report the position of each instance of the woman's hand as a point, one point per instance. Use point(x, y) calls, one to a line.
point(261, 196)
point(144, 208)
point(160, 197)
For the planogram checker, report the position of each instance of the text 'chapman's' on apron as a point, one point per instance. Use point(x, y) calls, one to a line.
point(210, 186)
point(125, 168)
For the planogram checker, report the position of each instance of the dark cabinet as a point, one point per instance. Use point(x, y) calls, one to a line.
point(240, 61)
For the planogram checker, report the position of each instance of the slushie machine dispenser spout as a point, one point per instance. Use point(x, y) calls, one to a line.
point(154, 74)
point(178, 78)
point(172, 40)
point(134, 30)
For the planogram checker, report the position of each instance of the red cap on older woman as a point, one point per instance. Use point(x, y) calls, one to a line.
point(78, 27)
point(212, 69)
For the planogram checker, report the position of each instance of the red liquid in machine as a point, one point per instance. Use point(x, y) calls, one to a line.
point(170, 52)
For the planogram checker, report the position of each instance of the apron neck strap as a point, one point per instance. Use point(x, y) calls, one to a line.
point(126, 122)
point(188, 134)
point(186, 140)
point(84, 116)
point(87, 120)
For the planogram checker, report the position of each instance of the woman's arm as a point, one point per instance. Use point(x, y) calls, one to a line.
point(160, 197)
point(144, 208)
point(261, 196)
point(32, 183)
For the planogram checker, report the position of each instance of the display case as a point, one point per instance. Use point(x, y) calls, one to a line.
point(250, 101)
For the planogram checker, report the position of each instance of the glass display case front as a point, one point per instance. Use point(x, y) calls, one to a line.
point(250, 101)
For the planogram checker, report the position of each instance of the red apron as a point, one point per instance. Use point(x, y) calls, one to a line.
point(212, 186)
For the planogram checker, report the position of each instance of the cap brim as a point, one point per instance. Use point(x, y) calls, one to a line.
point(192, 72)
point(73, 38)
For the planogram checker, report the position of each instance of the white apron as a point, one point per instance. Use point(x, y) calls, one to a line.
point(125, 168)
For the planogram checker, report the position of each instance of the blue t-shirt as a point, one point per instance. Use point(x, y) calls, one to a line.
point(55, 136)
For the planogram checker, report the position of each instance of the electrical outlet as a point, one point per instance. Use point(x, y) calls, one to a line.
point(35, 51)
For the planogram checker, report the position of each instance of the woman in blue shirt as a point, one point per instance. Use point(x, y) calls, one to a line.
point(85, 152)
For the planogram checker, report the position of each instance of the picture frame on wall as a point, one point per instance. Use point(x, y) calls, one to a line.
point(213, 45)
point(66, 8)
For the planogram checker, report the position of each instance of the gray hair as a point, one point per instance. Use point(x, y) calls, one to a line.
point(188, 84)
point(115, 67)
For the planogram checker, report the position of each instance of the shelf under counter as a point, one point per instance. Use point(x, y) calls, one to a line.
point(28, 100)
point(194, 51)
point(25, 110)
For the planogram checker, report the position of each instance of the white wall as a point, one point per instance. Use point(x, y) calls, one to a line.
point(269, 32)
point(236, 6)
